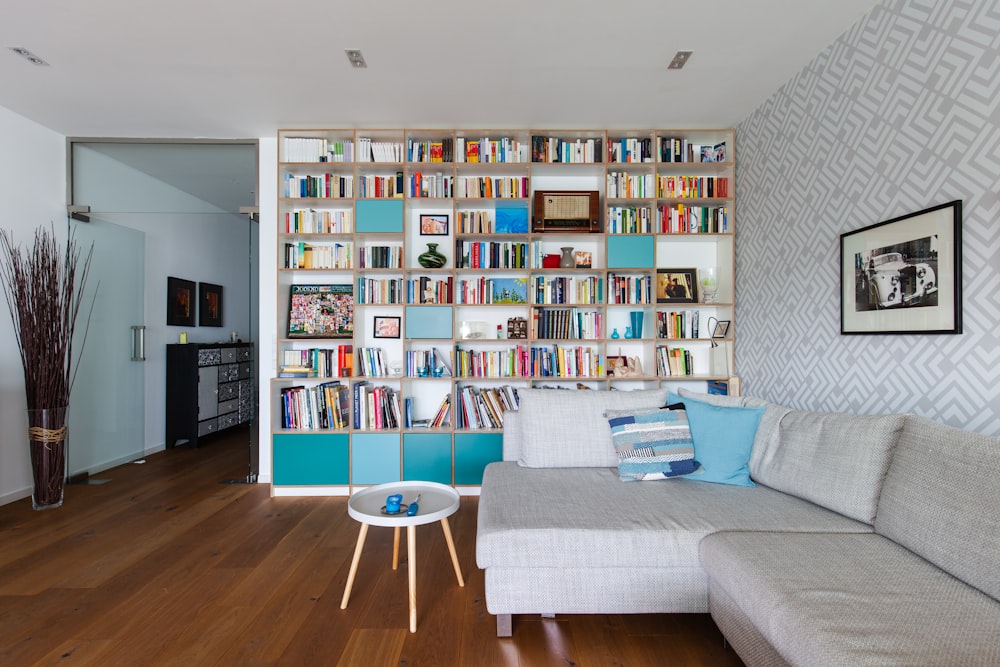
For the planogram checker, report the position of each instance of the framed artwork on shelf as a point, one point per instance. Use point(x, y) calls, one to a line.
point(617, 364)
point(434, 224)
point(676, 285)
point(386, 327)
point(321, 311)
point(721, 328)
point(904, 275)
point(180, 302)
point(209, 305)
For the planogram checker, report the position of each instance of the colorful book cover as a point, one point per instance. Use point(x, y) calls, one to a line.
point(509, 290)
point(512, 220)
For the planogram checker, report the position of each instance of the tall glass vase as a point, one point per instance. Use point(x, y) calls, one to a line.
point(47, 443)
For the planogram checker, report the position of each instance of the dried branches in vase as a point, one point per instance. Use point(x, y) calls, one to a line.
point(43, 287)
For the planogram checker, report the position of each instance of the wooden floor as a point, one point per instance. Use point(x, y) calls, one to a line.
point(166, 565)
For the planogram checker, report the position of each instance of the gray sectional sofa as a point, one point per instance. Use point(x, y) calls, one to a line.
point(864, 539)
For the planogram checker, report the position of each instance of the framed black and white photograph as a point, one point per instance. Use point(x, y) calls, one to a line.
point(721, 328)
point(209, 305)
point(386, 327)
point(180, 302)
point(434, 224)
point(904, 275)
point(676, 285)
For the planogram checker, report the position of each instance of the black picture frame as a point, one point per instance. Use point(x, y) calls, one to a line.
point(676, 286)
point(434, 224)
point(209, 305)
point(386, 326)
point(721, 328)
point(181, 304)
point(904, 275)
point(321, 311)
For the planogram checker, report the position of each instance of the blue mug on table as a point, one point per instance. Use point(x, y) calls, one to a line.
point(392, 503)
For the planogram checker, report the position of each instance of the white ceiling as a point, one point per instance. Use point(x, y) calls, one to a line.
point(244, 68)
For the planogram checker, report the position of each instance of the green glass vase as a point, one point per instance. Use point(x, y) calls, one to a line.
point(432, 259)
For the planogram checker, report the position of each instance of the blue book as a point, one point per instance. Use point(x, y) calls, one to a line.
point(512, 220)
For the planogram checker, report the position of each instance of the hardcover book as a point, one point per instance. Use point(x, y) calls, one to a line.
point(509, 290)
point(321, 311)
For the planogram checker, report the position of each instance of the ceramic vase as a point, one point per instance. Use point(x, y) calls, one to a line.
point(432, 259)
point(567, 260)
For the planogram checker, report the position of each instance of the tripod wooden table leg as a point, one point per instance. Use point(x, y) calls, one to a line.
point(411, 556)
point(451, 549)
point(354, 565)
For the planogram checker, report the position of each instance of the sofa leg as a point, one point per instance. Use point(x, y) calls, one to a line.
point(505, 627)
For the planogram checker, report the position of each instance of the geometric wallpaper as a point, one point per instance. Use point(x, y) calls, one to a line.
point(901, 113)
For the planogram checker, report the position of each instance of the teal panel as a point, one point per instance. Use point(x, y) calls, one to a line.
point(374, 458)
point(311, 459)
point(378, 215)
point(473, 451)
point(427, 457)
point(631, 252)
point(428, 322)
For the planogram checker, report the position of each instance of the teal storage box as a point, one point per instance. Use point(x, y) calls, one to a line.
point(374, 458)
point(473, 452)
point(631, 252)
point(429, 322)
point(377, 215)
point(311, 459)
point(427, 457)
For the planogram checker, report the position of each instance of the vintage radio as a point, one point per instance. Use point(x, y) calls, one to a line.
point(566, 211)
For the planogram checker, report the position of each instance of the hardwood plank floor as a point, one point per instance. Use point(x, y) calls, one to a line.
point(166, 565)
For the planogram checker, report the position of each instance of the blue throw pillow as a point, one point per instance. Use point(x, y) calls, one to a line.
point(723, 437)
point(651, 444)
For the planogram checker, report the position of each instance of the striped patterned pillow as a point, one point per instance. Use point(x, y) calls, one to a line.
point(652, 443)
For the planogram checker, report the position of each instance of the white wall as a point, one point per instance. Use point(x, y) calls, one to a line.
point(267, 184)
point(32, 193)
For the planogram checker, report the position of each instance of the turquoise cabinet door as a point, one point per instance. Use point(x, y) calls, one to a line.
point(376, 215)
point(311, 459)
point(631, 252)
point(374, 458)
point(427, 457)
point(473, 451)
point(428, 322)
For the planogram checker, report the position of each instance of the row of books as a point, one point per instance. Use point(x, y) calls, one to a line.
point(677, 324)
point(566, 323)
point(442, 417)
point(372, 362)
point(438, 185)
point(315, 149)
point(566, 151)
point(629, 150)
point(430, 290)
point(428, 360)
point(318, 255)
point(524, 361)
point(380, 290)
point(482, 187)
point(485, 290)
point(626, 185)
point(380, 257)
point(312, 221)
point(381, 187)
point(695, 187)
point(505, 150)
point(673, 361)
point(569, 290)
point(491, 254)
point(626, 289)
point(323, 406)
point(675, 149)
point(379, 151)
point(430, 151)
point(320, 362)
point(480, 408)
point(629, 220)
point(505, 220)
point(681, 219)
point(376, 408)
point(324, 186)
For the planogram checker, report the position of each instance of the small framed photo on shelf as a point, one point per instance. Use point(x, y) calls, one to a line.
point(721, 328)
point(434, 224)
point(676, 285)
point(209, 305)
point(617, 364)
point(386, 327)
point(904, 275)
point(180, 302)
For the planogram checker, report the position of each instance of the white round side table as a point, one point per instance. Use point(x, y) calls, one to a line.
point(437, 503)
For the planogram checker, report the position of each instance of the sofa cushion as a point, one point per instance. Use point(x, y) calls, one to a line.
point(723, 437)
point(941, 499)
point(651, 444)
point(851, 599)
point(585, 517)
point(836, 460)
point(565, 428)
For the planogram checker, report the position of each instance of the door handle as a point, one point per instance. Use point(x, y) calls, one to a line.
point(138, 342)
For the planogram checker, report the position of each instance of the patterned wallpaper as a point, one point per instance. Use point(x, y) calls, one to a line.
point(899, 114)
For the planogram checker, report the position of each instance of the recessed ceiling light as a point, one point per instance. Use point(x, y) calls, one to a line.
point(28, 55)
point(357, 60)
point(680, 58)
